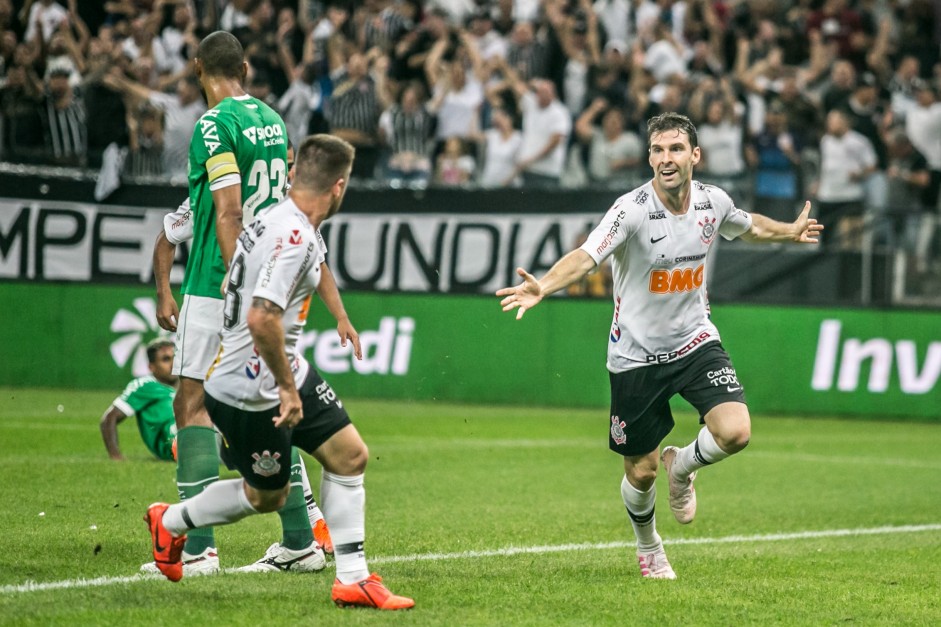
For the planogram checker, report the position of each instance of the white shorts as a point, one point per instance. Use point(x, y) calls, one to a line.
point(197, 336)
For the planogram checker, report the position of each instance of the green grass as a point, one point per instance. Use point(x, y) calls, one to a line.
point(447, 479)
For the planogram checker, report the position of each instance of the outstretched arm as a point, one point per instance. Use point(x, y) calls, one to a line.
point(109, 432)
point(530, 292)
point(803, 230)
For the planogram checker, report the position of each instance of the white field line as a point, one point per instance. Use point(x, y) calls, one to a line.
point(68, 584)
point(836, 459)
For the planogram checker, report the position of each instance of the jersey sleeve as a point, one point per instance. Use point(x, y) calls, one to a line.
point(284, 260)
point(136, 396)
point(617, 226)
point(322, 256)
point(121, 405)
point(215, 149)
point(733, 221)
point(178, 224)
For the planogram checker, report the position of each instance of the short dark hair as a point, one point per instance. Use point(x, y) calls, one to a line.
point(321, 160)
point(221, 54)
point(672, 121)
point(155, 346)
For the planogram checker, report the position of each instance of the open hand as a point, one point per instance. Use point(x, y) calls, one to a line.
point(807, 230)
point(524, 296)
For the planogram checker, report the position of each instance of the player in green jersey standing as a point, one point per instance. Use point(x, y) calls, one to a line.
point(150, 399)
point(238, 167)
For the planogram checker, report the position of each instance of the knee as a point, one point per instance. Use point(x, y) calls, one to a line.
point(265, 501)
point(734, 440)
point(348, 461)
point(356, 462)
point(189, 412)
point(642, 478)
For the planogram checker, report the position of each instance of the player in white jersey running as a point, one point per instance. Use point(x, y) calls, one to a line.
point(264, 396)
point(662, 342)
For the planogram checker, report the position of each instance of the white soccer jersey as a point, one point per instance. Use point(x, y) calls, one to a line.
point(277, 258)
point(178, 226)
point(659, 267)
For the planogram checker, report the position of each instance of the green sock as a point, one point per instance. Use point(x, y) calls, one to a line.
point(295, 526)
point(197, 467)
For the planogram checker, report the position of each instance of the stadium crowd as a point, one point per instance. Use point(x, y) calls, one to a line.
point(836, 100)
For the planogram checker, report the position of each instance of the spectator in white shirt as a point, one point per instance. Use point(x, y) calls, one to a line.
point(44, 18)
point(546, 129)
point(501, 148)
point(923, 127)
point(611, 149)
point(721, 140)
point(180, 113)
point(846, 159)
point(489, 42)
point(458, 94)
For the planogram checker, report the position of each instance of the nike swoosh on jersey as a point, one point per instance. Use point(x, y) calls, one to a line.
point(654, 241)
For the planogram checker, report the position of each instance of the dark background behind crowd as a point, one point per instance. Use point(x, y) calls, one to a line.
point(834, 100)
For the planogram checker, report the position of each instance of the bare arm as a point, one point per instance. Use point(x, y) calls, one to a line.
point(167, 310)
point(584, 125)
point(804, 230)
point(567, 270)
point(109, 432)
point(228, 202)
point(125, 85)
point(285, 56)
point(519, 87)
point(330, 295)
point(433, 61)
point(267, 328)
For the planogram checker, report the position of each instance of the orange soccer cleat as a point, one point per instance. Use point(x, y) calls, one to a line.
point(322, 536)
point(168, 551)
point(370, 592)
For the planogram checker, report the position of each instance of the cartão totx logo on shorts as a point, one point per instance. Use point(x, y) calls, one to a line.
point(135, 327)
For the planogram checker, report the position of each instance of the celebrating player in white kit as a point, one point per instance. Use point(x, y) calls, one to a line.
point(662, 342)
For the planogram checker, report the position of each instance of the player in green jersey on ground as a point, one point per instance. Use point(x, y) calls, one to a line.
point(150, 399)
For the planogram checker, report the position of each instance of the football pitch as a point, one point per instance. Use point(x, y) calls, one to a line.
point(492, 516)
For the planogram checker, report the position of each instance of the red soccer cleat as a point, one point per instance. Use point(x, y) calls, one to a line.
point(322, 536)
point(168, 551)
point(370, 592)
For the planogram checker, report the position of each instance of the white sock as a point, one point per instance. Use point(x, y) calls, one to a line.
point(640, 509)
point(344, 505)
point(700, 452)
point(221, 503)
point(313, 512)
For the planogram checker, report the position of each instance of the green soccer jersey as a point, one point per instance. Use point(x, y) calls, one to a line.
point(152, 403)
point(239, 141)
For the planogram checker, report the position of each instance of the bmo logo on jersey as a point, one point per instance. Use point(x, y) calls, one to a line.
point(272, 132)
point(678, 280)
